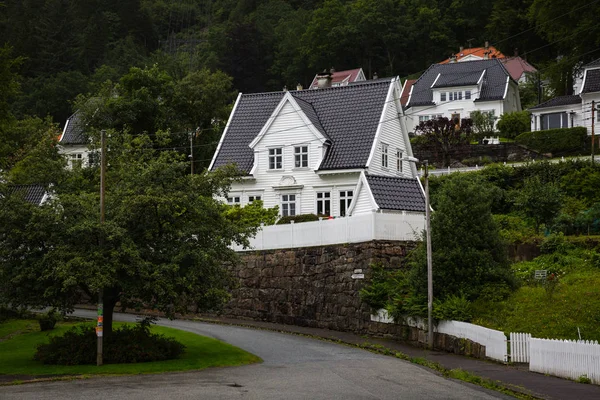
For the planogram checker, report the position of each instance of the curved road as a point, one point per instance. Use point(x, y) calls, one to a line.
point(294, 367)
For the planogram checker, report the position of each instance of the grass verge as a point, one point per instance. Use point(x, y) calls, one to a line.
point(18, 339)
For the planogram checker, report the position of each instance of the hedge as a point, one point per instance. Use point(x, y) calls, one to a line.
point(555, 141)
point(298, 218)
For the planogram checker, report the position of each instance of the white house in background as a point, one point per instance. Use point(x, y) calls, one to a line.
point(339, 78)
point(572, 110)
point(337, 151)
point(73, 143)
point(454, 90)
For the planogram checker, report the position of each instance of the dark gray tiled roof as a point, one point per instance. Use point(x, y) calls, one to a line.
point(74, 131)
point(396, 193)
point(465, 73)
point(349, 116)
point(592, 81)
point(310, 112)
point(595, 63)
point(559, 101)
point(30, 193)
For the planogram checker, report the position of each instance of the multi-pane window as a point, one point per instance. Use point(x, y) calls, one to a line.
point(324, 203)
point(423, 118)
point(459, 95)
point(276, 158)
point(398, 161)
point(301, 156)
point(443, 96)
point(345, 201)
point(288, 205)
point(76, 159)
point(467, 95)
point(384, 155)
point(254, 198)
point(233, 200)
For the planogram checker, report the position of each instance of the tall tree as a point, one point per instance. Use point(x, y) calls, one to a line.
point(164, 245)
point(444, 134)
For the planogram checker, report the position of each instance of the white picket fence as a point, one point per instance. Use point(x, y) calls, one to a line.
point(519, 347)
point(566, 359)
point(493, 340)
point(354, 229)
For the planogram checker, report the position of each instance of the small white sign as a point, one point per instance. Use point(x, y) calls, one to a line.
point(358, 276)
point(358, 271)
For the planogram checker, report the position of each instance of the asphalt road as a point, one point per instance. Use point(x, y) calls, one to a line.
point(294, 367)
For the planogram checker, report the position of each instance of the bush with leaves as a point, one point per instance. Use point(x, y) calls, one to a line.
point(453, 308)
point(128, 344)
point(512, 124)
point(539, 201)
point(298, 219)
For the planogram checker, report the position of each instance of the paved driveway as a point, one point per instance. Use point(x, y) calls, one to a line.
point(294, 367)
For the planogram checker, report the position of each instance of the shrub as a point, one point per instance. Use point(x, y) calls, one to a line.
point(555, 141)
point(471, 162)
point(48, 320)
point(129, 344)
point(453, 308)
point(513, 124)
point(298, 219)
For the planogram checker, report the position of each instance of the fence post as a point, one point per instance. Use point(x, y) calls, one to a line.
point(262, 235)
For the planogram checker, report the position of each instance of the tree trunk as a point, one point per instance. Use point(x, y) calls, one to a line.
point(110, 300)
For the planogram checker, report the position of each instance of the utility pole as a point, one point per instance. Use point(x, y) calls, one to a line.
point(192, 152)
point(593, 120)
point(99, 326)
point(429, 261)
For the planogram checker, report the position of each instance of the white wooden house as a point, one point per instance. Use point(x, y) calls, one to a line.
point(73, 143)
point(571, 110)
point(455, 89)
point(337, 151)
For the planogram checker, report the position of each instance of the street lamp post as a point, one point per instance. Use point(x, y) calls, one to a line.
point(429, 253)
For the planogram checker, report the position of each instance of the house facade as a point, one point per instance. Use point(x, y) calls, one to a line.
point(572, 110)
point(314, 151)
point(454, 90)
point(73, 143)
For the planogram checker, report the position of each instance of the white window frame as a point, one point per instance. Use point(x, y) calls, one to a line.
point(323, 199)
point(275, 158)
point(286, 202)
point(384, 155)
point(467, 95)
point(301, 156)
point(76, 159)
point(346, 197)
point(443, 96)
point(399, 161)
point(253, 197)
point(234, 200)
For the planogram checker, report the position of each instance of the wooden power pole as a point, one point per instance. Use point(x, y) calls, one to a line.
point(99, 326)
point(593, 136)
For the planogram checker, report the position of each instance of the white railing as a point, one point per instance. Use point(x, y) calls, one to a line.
point(564, 358)
point(519, 347)
point(494, 341)
point(354, 229)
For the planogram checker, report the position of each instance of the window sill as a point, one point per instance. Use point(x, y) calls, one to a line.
point(276, 170)
point(301, 169)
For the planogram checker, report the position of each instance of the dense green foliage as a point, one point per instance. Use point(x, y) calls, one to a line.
point(70, 47)
point(127, 344)
point(555, 141)
point(513, 124)
point(298, 219)
point(483, 124)
point(443, 134)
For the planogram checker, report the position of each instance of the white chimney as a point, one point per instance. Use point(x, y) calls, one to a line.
point(324, 79)
point(299, 86)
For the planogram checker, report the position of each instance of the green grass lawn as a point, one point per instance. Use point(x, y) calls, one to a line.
point(18, 339)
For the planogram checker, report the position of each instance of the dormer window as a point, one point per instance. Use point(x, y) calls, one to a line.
point(276, 158)
point(301, 157)
point(467, 95)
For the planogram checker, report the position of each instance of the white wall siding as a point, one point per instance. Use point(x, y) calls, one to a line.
point(586, 112)
point(363, 202)
point(390, 133)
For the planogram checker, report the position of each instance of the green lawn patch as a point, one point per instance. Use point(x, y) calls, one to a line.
point(16, 353)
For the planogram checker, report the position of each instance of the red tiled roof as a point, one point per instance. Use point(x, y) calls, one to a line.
point(406, 91)
point(516, 66)
point(340, 76)
point(477, 52)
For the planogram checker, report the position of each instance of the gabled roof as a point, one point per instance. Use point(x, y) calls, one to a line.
point(406, 91)
point(516, 66)
point(396, 193)
point(73, 133)
point(559, 101)
point(310, 112)
point(33, 194)
point(348, 115)
point(592, 81)
point(493, 86)
point(340, 78)
point(476, 52)
point(593, 64)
